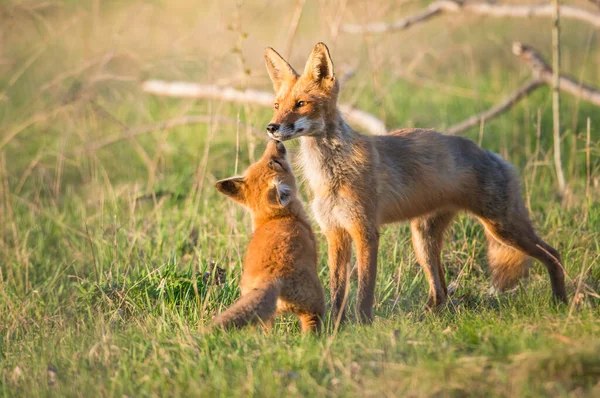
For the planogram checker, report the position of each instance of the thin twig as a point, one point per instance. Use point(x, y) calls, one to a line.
point(87, 231)
point(588, 173)
point(580, 282)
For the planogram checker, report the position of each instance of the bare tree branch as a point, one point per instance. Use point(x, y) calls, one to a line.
point(363, 119)
point(542, 74)
point(496, 110)
point(480, 8)
point(434, 9)
point(543, 71)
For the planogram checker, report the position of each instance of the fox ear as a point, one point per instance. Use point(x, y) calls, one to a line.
point(320, 66)
point(280, 194)
point(232, 187)
point(279, 70)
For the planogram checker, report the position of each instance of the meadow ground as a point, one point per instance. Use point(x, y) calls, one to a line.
point(109, 222)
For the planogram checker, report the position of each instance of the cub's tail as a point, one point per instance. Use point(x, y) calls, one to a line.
point(256, 306)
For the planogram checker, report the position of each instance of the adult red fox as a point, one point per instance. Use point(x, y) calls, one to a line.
point(280, 266)
point(361, 182)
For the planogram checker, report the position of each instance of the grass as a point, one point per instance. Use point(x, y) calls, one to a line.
point(108, 254)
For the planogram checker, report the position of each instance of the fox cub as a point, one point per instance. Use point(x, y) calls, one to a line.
point(280, 267)
point(363, 182)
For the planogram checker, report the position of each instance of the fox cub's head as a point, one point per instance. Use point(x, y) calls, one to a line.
point(304, 102)
point(267, 187)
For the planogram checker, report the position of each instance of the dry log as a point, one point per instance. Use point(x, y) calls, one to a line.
point(479, 8)
point(363, 119)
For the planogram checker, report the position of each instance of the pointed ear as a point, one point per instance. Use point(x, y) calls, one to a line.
point(280, 194)
point(279, 70)
point(232, 187)
point(319, 66)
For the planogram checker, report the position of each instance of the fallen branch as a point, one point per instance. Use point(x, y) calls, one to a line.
point(480, 8)
point(208, 91)
point(432, 10)
point(496, 110)
point(542, 74)
point(543, 71)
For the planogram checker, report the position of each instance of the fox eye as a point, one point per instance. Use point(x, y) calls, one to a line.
point(276, 105)
point(300, 104)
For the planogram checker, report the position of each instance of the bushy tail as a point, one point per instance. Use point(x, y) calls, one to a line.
point(507, 264)
point(256, 306)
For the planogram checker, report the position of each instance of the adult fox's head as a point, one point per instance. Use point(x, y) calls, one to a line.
point(303, 103)
point(267, 187)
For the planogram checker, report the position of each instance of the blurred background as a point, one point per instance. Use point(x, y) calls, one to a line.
point(84, 146)
point(71, 74)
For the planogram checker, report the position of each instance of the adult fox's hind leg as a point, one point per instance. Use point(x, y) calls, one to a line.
point(510, 233)
point(427, 237)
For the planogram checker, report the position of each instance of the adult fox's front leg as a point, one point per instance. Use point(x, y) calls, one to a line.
point(339, 254)
point(366, 240)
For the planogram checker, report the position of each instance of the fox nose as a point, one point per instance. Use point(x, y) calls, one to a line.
point(272, 127)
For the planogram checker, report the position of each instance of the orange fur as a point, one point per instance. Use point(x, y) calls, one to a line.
point(361, 182)
point(280, 266)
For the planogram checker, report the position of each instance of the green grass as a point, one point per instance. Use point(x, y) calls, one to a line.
point(104, 251)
